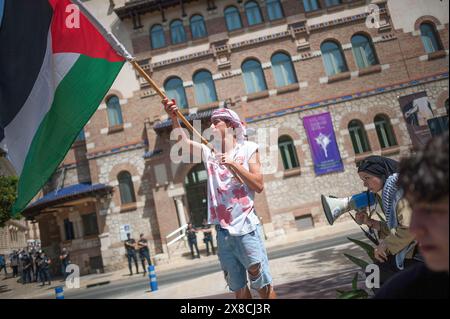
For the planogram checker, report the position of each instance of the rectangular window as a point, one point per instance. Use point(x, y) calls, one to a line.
point(90, 225)
point(330, 3)
point(68, 229)
point(304, 222)
point(311, 5)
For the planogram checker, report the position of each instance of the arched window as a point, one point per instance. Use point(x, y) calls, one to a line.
point(198, 27)
point(330, 3)
point(253, 76)
point(288, 152)
point(363, 51)
point(311, 5)
point(205, 90)
point(114, 111)
point(283, 69)
point(385, 132)
point(274, 9)
point(232, 18)
point(430, 38)
point(358, 136)
point(157, 38)
point(175, 90)
point(126, 188)
point(333, 58)
point(177, 32)
point(253, 13)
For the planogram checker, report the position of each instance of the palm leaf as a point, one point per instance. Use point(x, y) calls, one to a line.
point(355, 282)
point(380, 217)
point(368, 248)
point(359, 262)
point(354, 294)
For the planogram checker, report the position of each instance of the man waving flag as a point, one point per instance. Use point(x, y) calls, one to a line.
point(56, 65)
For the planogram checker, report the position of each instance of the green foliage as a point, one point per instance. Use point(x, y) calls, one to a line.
point(357, 261)
point(356, 293)
point(369, 249)
point(8, 194)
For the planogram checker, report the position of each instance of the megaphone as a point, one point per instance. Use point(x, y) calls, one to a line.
point(334, 207)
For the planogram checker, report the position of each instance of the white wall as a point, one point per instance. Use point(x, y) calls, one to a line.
point(405, 12)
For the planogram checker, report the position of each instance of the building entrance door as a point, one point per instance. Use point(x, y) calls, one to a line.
point(196, 192)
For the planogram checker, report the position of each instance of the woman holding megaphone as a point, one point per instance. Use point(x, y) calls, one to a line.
point(397, 246)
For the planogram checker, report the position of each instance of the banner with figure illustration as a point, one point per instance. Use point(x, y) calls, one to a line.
point(417, 112)
point(322, 142)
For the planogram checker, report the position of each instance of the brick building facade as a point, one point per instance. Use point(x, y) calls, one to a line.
point(126, 143)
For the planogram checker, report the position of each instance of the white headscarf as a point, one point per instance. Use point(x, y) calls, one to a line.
point(232, 117)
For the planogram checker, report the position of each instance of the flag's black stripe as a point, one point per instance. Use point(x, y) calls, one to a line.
point(23, 42)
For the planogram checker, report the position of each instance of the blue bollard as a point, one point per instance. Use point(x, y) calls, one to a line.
point(59, 292)
point(152, 277)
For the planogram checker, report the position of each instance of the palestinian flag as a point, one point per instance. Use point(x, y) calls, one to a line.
point(56, 66)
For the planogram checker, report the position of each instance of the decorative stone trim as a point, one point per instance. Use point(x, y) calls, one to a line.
point(257, 95)
point(303, 84)
point(390, 150)
point(323, 80)
point(347, 46)
point(128, 207)
point(354, 74)
point(90, 146)
point(339, 77)
point(288, 88)
point(266, 65)
point(104, 131)
point(370, 70)
point(350, 97)
point(437, 55)
point(115, 150)
point(273, 92)
point(327, 24)
point(188, 84)
point(115, 128)
point(292, 172)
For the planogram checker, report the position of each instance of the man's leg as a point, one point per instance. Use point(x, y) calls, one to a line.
point(191, 247)
point(196, 248)
point(149, 261)
point(129, 264)
point(212, 247)
point(141, 257)
point(243, 293)
point(257, 264)
point(207, 247)
point(136, 263)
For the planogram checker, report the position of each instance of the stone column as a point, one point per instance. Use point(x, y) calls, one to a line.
point(180, 210)
point(176, 192)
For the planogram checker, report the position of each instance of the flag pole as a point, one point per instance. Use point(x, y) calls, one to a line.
point(121, 50)
point(180, 115)
point(163, 96)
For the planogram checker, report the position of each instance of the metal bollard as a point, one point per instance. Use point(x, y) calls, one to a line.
point(59, 292)
point(152, 277)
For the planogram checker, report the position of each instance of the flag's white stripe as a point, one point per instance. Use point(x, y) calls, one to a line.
point(20, 131)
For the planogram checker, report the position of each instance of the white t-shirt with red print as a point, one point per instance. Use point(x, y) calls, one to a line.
point(230, 203)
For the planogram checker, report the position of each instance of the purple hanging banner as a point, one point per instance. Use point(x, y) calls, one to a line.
point(322, 142)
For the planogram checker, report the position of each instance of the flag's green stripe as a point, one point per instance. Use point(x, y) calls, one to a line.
point(76, 99)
